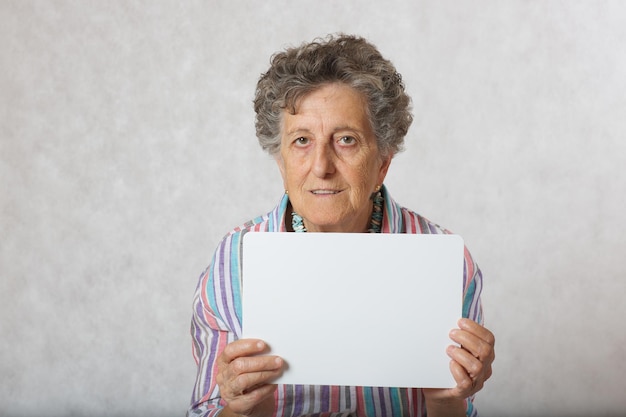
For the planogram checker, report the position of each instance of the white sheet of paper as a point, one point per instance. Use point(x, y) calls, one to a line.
point(355, 309)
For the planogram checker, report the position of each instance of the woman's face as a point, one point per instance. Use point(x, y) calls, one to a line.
point(329, 160)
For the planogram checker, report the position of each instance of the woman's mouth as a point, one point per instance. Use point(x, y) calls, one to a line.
point(324, 192)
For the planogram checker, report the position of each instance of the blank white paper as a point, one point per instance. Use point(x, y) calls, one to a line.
point(355, 309)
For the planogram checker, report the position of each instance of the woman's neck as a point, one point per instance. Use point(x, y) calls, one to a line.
point(372, 222)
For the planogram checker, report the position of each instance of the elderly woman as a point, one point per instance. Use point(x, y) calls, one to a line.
point(332, 113)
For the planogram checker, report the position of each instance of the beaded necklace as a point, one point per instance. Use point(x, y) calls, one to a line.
point(375, 223)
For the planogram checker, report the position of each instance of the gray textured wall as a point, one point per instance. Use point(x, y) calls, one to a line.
point(127, 150)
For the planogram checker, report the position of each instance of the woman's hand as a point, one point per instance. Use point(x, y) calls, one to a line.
point(470, 364)
point(244, 377)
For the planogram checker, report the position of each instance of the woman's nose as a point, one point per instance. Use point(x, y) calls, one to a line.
point(323, 163)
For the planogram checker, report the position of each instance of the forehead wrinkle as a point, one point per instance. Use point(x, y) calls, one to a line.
point(320, 121)
point(306, 123)
point(313, 117)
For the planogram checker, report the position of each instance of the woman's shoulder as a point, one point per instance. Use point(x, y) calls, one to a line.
point(261, 223)
point(272, 221)
point(400, 219)
point(414, 222)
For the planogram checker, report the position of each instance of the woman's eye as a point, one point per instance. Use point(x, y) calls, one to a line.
point(347, 140)
point(301, 141)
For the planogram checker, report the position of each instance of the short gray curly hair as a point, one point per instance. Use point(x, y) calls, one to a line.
point(347, 59)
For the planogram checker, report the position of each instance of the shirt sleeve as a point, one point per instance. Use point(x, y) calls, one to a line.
point(472, 306)
point(215, 323)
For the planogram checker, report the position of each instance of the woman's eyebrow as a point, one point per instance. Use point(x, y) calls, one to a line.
point(348, 127)
point(297, 130)
point(335, 130)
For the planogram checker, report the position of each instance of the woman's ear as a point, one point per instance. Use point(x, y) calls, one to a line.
point(384, 167)
point(281, 167)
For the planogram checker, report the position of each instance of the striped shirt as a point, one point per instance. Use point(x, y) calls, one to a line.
point(217, 322)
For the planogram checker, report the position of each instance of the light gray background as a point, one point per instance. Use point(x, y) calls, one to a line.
point(127, 150)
